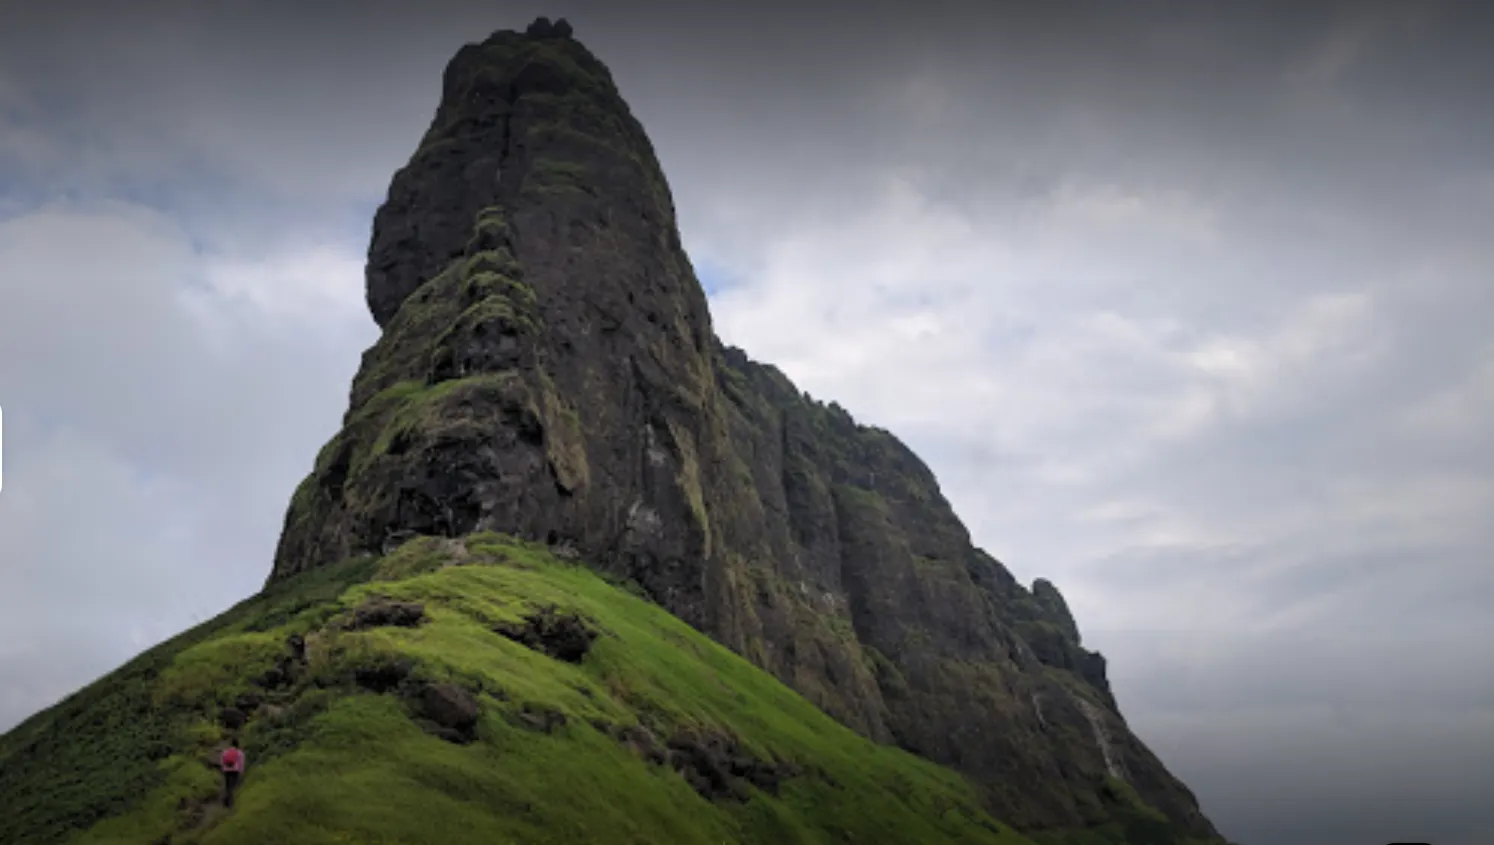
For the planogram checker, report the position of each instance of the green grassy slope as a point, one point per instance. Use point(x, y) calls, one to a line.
point(128, 759)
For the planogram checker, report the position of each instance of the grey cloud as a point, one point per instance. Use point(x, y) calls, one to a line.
point(1370, 780)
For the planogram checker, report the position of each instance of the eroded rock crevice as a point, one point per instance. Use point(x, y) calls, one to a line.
point(1103, 739)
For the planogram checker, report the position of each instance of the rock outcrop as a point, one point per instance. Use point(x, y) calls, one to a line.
point(547, 368)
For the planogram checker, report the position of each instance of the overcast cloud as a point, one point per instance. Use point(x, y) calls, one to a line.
point(1186, 304)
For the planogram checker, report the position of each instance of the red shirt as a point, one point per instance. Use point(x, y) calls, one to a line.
point(233, 760)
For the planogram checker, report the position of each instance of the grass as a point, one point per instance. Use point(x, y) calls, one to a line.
point(97, 752)
point(128, 758)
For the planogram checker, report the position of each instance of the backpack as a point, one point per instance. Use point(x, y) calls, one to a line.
point(233, 760)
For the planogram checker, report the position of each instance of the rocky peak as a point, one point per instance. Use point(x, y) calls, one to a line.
point(543, 28)
point(547, 369)
point(1055, 609)
point(532, 125)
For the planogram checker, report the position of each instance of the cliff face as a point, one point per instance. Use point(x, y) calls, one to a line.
point(548, 368)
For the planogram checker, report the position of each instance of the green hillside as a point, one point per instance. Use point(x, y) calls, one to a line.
point(656, 734)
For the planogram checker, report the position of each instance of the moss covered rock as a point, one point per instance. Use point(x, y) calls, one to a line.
point(548, 369)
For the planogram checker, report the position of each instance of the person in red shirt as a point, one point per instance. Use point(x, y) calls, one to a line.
point(232, 764)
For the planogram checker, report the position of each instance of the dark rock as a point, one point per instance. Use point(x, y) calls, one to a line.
point(232, 718)
point(159, 750)
point(297, 645)
point(275, 678)
point(526, 267)
point(1054, 608)
point(563, 636)
point(381, 612)
point(539, 718)
point(283, 674)
point(1048, 645)
point(396, 538)
point(712, 763)
point(384, 675)
point(1091, 667)
point(449, 706)
point(640, 740)
point(452, 735)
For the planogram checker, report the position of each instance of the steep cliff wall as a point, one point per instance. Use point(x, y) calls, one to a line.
point(548, 368)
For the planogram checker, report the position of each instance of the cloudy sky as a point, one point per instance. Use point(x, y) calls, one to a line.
point(1187, 304)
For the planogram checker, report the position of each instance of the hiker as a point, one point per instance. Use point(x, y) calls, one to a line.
point(233, 769)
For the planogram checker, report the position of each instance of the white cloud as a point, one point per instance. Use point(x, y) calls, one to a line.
point(305, 284)
point(154, 428)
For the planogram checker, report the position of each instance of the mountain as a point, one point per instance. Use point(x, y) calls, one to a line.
point(548, 384)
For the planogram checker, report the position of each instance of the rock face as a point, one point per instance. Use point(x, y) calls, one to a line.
point(378, 613)
point(453, 710)
point(563, 636)
point(547, 368)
